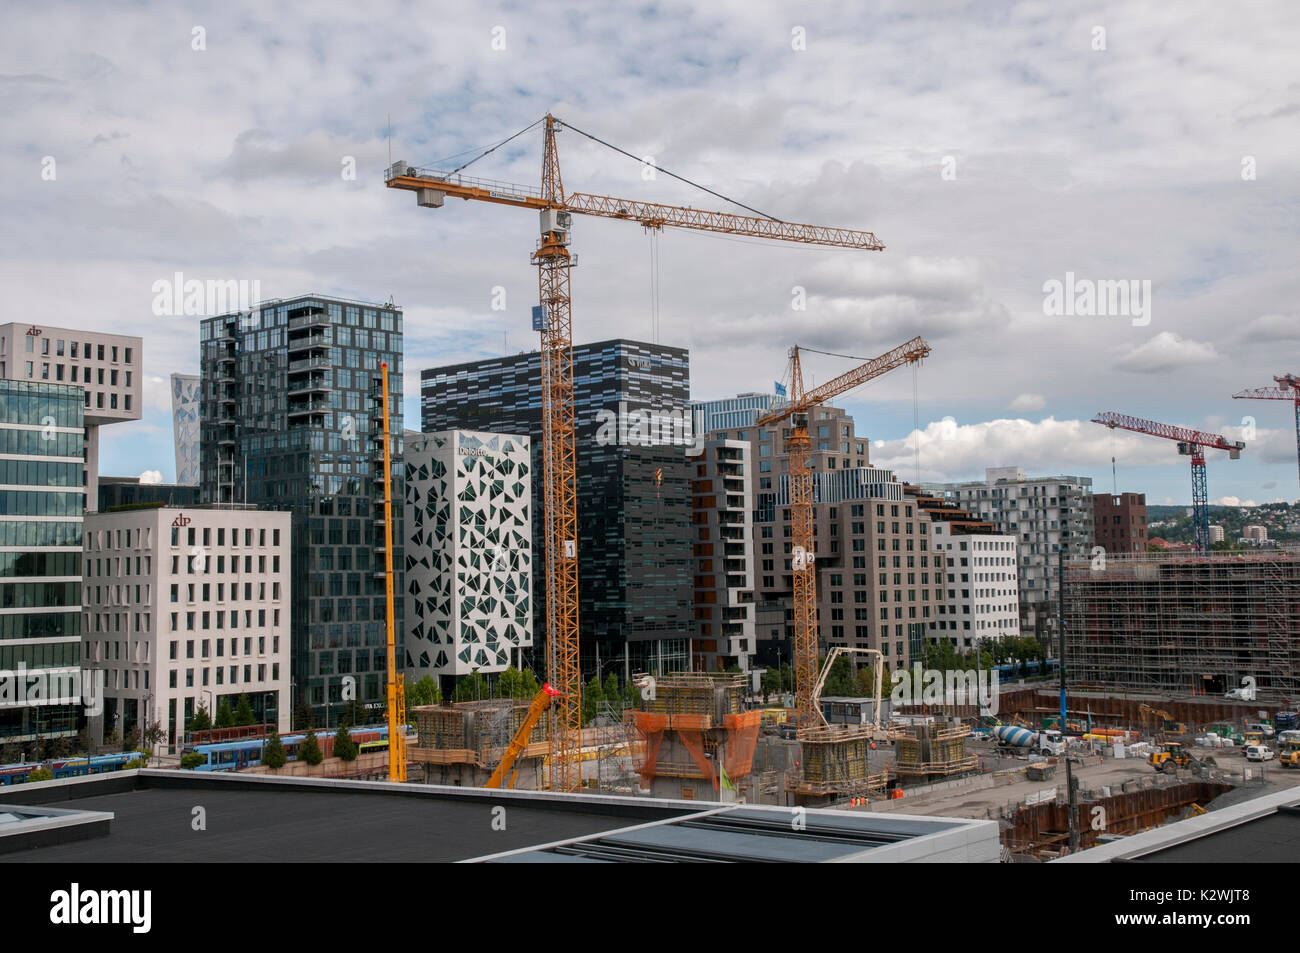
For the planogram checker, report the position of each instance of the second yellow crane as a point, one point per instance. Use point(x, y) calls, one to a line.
point(803, 546)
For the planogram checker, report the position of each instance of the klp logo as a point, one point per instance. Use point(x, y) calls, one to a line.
point(193, 297)
point(1087, 298)
point(643, 428)
point(935, 687)
point(75, 906)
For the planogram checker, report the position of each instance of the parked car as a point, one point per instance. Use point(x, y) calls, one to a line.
point(1265, 730)
point(1259, 753)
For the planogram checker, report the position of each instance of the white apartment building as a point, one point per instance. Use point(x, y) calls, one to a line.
point(1042, 514)
point(983, 590)
point(469, 541)
point(185, 608)
point(105, 366)
point(722, 499)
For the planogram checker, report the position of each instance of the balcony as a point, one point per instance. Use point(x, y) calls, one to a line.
point(322, 319)
point(308, 407)
point(310, 342)
point(307, 364)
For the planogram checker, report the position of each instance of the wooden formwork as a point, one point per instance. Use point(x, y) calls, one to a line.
point(836, 760)
point(709, 696)
point(933, 749)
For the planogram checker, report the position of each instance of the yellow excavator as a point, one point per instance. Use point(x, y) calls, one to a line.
point(1289, 756)
point(541, 702)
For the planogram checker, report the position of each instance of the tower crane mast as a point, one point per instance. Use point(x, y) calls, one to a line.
point(552, 319)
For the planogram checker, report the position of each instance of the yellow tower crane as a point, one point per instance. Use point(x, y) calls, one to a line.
point(396, 685)
point(553, 320)
point(803, 552)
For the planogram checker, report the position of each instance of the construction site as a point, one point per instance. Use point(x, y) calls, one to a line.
point(1186, 624)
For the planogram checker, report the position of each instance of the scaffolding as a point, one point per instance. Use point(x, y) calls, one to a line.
point(692, 722)
point(835, 762)
point(1186, 624)
point(474, 733)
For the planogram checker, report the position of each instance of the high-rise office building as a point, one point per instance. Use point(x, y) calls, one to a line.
point(468, 546)
point(185, 427)
point(982, 597)
point(728, 413)
point(290, 420)
point(105, 366)
point(879, 582)
point(185, 609)
point(632, 424)
point(1044, 514)
point(722, 491)
point(42, 505)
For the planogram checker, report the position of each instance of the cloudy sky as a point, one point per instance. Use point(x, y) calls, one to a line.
point(992, 147)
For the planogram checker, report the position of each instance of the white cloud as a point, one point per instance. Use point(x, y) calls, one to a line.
point(952, 451)
point(1029, 402)
point(151, 476)
point(1165, 352)
point(1233, 501)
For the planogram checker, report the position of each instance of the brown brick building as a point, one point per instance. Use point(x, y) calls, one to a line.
point(1120, 522)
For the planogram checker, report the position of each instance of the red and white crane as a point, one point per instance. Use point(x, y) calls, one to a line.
point(1288, 388)
point(1191, 443)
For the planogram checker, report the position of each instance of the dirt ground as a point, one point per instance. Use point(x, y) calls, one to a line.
point(976, 803)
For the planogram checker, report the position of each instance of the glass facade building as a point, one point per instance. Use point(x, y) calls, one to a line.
point(290, 419)
point(42, 504)
point(633, 425)
point(185, 424)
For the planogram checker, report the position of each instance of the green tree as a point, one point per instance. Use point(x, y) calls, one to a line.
point(132, 740)
point(345, 749)
point(303, 717)
point(423, 692)
point(244, 712)
point(273, 755)
point(471, 687)
point(593, 696)
point(153, 734)
point(41, 774)
point(354, 714)
point(309, 751)
point(191, 761)
point(612, 692)
point(200, 720)
point(225, 717)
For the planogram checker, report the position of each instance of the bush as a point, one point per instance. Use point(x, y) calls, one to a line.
point(345, 749)
point(191, 761)
point(273, 755)
point(309, 750)
point(41, 774)
point(132, 765)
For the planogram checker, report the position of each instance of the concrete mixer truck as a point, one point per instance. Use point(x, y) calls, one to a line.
point(1027, 740)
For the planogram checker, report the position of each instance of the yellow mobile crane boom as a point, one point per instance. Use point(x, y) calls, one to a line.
point(803, 553)
point(553, 320)
point(541, 702)
point(396, 686)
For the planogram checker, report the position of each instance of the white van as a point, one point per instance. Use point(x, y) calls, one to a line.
point(1259, 753)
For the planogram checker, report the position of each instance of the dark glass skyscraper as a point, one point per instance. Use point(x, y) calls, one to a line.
point(290, 419)
point(634, 505)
